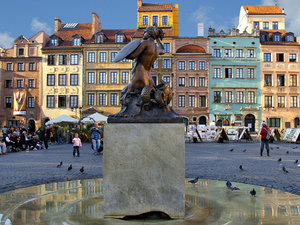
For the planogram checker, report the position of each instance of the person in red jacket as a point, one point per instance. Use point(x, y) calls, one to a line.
point(265, 136)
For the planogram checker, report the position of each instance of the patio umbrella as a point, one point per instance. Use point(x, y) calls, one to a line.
point(62, 119)
point(96, 117)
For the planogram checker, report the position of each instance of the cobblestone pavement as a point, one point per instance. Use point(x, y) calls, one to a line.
point(205, 160)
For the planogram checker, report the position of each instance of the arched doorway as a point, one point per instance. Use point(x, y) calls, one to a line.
point(202, 120)
point(219, 123)
point(250, 119)
point(226, 122)
point(297, 122)
point(31, 126)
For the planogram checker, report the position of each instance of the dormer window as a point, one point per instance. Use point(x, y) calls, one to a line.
point(119, 38)
point(277, 37)
point(263, 37)
point(99, 38)
point(289, 38)
point(76, 41)
point(54, 42)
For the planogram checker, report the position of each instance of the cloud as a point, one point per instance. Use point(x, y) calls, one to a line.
point(200, 15)
point(37, 26)
point(6, 41)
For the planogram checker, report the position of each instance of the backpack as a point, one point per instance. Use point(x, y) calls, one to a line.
point(268, 133)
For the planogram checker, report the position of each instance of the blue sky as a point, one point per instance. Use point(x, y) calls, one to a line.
point(36, 15)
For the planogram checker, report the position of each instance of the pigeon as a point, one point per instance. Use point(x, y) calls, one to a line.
point(70, 167)
point(82, 170)
point(244, 150)
point(59, 165)
point(277, 147)
point(284, 169)
point(279, 160)
point(296, 161)
point(230, 186)
point(287, 152)
point(295, 147)
point(231, 150)
point(271, 148)
point(241, 168)
point(253, 192)
point(194, 181)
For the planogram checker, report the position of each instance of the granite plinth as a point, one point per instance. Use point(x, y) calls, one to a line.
point(144, 169)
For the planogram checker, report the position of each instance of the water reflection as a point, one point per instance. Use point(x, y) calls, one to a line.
point(207, 202)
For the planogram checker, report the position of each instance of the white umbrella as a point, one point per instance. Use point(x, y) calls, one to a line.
point(62, 119)
point(96, 117)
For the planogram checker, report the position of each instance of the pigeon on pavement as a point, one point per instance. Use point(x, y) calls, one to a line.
point(194, 181)
point(231, 150)
point(253, 192)
point(241, 168)
point(59, 165)
point(70, 167)
point(279, 160)
point(82, 170)
point(284, 169)
point(230, 186)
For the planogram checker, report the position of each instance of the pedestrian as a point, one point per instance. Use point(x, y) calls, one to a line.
point(59, 136)
point(3, 146)
point(96, 136)
point(76, 144)
point(46, 136)
point(264, 140)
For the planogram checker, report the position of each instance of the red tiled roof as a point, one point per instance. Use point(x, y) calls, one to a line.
point(82, 29)
point(155, 7)
point(190, 49)
point(263, 9)
point(110, 35)
point(168, 32)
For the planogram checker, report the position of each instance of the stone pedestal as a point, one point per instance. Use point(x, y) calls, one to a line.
point(144, 169)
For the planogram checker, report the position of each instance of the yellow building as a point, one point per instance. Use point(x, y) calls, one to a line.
point(62, 80)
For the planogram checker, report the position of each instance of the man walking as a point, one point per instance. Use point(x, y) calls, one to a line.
point(96, 136)
point(265, 136)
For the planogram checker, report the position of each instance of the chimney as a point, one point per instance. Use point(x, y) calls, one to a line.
point(96, 25)
point(57, 24)
point(200, 29)
point(139, 4)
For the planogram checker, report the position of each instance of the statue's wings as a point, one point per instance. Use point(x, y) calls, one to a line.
point(127, 50)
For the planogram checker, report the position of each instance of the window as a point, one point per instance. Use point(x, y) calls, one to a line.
point(250, 53)
point(290, 38)
point(9, 67)
point(217, 96)
point(202, 82)
point(119, 38)
point(31, 66)
point(91, 77)
point(154, 78)
point(181, 65)
point(113, 56)
point(113, 77)
point(281, 101)
point(125, 60)
point(76, 41)
point(228, 72)
point(74, 59)
point(228, 52)
point(62, 79)
point(239, 53)
point(239, 73)
point(20, 66)
point(268, 80)
point(280, 80)
point(51, 60)
point(267, 57)
point(167, 47)
point(54, 42)
point(251, 73)
point(50, 101)
point(167, 79)
point(21, 51)
point(155, 20)
point(102, 98)
point(217, 73)
point(268, 101)
point(293, 57)
point(263, 37)
point(275, 25)
point(155, 65)
point(274, 122)
point(102, 57)
point(99, 38)
point(164, 20)
point(62, 59)
point(280, 57)
point(192, 82)
point(277, 37)
point(30, 102)
point(74, 79)
point(251, 97)
point(113, 99)
point(191, 100)
point(50, 79)
point(145, 20)
point(91, 99)
point(102, 77)
point(294, 102)
point(202, 101)
point(125, 77)
point(73, 101)
point(228, 96)
point(61, 101)
point(20, 83)
point(293, 80)
point(91, 57)
point(8, 102)
point(8, 83)
point(181, 101)
point(239, 97)
point(167, 63)
point(192, 65)
point(266, 25)
point(201, 65)
point(217, 52)
point(181, 82)
point(256, 25)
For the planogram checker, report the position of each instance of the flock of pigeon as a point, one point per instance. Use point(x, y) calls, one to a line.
point(231, 187)
point(70, 167)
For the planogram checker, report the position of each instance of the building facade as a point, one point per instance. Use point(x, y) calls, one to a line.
point(190, 83)
point(21, 71)
point(234, 79)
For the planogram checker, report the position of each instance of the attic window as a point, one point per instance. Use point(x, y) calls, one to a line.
point(99, 38)
point(290, 38)
point(276, 37)
point(119, 38)
point(54, 42)
point(76, 41)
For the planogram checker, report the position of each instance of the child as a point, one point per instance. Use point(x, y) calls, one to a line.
point(76, 144)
